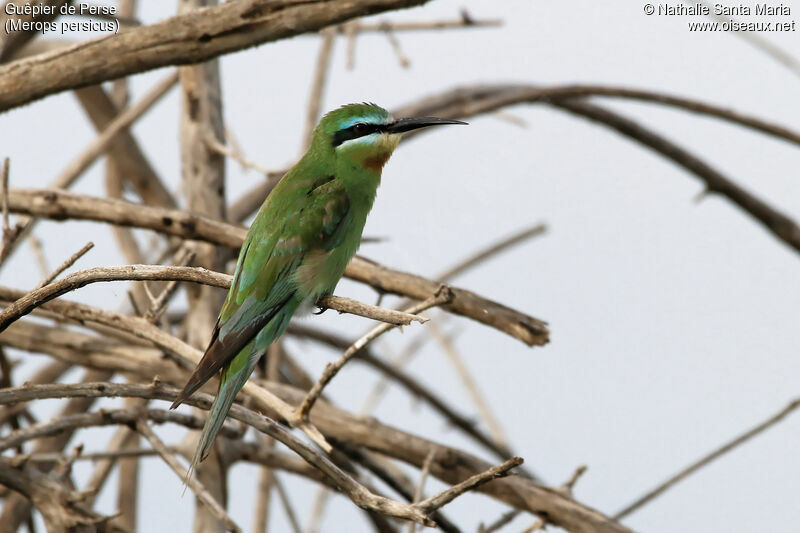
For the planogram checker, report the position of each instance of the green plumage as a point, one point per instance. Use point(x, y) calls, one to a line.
point(297, 247)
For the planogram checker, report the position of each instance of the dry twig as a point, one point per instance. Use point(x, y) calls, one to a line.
point(442, 296)
point(707, 459)
point(71, 260)
point(199, 490)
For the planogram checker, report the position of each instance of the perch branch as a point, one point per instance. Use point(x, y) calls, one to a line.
point(37, 297)
point(61, 205)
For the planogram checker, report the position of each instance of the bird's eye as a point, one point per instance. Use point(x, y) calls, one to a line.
point(360, 128)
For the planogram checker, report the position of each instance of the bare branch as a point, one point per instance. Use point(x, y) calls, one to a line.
point(105, 417)
point(10, 235)
point(412, 385)
point(331, 369)
point(318, 85)
point(449, 464)
point(130, 162)
point(287, 505)
point(707, 459)
point(471, 100)
point(188, 38)
point(101, 143)
point(443, 498)
point(382, 314)
point(498, 524)
point(97, 147)
point(573, 479)
point(489, 418)
point(465, 21)
point(37, 297)
point(199, 490)
point(495, 248)
point(228, 151)
point(780, 225)
point(529, 330)
point(66, 264)
point(58, 204)
point(423, 477)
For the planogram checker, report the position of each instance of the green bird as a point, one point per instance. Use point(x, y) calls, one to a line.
point(296, 250)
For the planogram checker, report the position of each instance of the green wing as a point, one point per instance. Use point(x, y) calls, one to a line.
point(285, 230)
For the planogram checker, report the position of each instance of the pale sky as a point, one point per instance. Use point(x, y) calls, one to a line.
point(674, 322)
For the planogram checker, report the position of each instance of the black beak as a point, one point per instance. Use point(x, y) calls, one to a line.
point(403, 125)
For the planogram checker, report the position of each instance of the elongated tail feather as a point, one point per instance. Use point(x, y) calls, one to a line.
point(234, 376)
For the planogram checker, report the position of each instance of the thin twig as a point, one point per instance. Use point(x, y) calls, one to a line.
point(124, 120)
point(287, 505)
point(462, 22)
point(199, 490)
point(414, 388)
point(99, 145)
point(318, 84)
point(38, 254)
point(757, 41)
point(10, 235)
point(65, 265)
point(102, 469)
point(351, 33)
point(442, 297)
point(236, 155)
point(501, 522)
point(159, 304)
point(707, 459)
point(396, 47)
point(318, 509)
point(780, 225)
point(470, 384)
point(397, 362)
point(491, 251)
point(6, 224)
point(423, 477)
point(445, 497)
point(573, 479)
point(263, 496)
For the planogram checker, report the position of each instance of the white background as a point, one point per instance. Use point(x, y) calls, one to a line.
point(674, 323)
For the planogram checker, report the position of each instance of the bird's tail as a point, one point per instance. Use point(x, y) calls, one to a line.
point(234, 376)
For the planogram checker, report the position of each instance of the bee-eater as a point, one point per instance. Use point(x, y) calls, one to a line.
point(297, 248)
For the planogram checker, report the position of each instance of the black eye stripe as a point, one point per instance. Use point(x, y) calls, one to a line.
point(355, 131)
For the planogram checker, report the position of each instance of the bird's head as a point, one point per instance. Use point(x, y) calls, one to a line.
point(367, 134)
